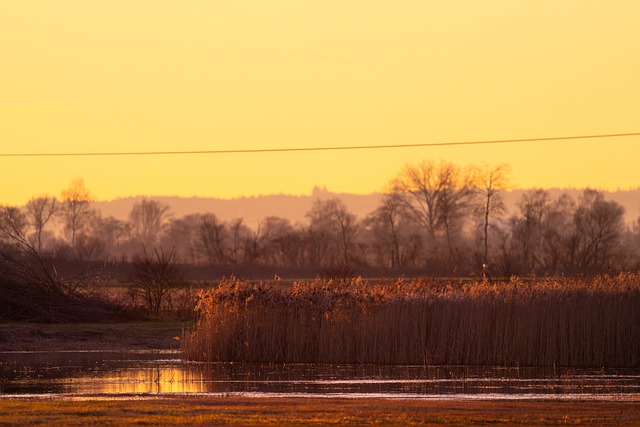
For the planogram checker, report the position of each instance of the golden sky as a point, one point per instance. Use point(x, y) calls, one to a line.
point(137, 75)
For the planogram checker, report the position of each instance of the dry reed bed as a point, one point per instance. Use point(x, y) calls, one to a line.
point(539, 322)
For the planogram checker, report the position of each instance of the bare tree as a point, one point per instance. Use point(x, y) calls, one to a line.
point(113, 232)
point(454, 201)
point(30, 285)
point(285, 244)
point(528, 228)
point(506, 258)
point(76, 207)
point(272, 229)
point(39, 211)
point(334, 230)
point(394, 234)
point(490, 183)
point(347, 228)
point(13, 230)
point(418, 187)
point(212, 239)
point(239, 233)
point(147, 220)
point(155, 276)
point(20, 261)
point(558, 235)
point(599, 224)
point(384, 223)
point(254, 243)
point(438, 195)
point(90, 247)
point(318, 245)
point(181, 234)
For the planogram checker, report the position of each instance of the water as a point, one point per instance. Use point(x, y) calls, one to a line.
point(150, 373)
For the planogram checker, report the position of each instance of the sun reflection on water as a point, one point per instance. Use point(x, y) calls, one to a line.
point(157, 380)
point(121, 373)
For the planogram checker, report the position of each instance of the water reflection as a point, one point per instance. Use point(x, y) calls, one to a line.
point(117, 373)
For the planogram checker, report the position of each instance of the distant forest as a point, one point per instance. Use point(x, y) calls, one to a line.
point(435, 218)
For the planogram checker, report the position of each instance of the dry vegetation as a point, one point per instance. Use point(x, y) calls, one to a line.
point(299, 411)
point(533, 322)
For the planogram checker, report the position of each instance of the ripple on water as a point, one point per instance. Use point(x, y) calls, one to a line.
point(143, 374)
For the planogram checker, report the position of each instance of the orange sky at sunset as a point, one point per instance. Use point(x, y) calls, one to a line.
point(143, 75)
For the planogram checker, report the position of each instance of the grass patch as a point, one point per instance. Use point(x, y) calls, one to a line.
point(300, 411)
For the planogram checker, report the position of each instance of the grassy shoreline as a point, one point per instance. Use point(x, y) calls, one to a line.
point(301, 411)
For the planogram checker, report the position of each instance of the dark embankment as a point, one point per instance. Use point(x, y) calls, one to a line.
point(32, 291)
point(30, 303)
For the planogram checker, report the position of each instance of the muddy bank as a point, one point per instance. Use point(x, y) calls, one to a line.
point(143, 335)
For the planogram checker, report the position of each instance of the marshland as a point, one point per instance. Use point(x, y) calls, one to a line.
point(531, 338)
point(534, 351)
point(332, 212)
point(158, 307)
point(546, 322)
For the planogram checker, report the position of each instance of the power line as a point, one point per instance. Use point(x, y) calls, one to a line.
point(285, 150)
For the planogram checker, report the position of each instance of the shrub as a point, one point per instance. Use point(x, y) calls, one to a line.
point(155, 276)
point(31, 288)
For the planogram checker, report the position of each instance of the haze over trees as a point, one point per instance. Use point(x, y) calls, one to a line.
point(436, 218)
point(76, 210)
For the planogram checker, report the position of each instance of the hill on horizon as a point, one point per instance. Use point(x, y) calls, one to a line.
point(294, 208)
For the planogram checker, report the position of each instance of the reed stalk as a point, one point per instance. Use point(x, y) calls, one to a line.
point(533, 322)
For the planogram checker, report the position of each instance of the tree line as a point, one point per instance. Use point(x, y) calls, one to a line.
point(436, 218)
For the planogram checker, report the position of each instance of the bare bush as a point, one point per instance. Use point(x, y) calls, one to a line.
point(31, 287)
point(338, 270)
point(155, 276)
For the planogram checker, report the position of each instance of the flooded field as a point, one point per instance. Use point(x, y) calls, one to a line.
point(151, 373)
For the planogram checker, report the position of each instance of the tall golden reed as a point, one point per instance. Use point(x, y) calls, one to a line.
point(538, 322)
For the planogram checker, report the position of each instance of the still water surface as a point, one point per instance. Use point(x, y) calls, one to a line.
point(143, 373)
